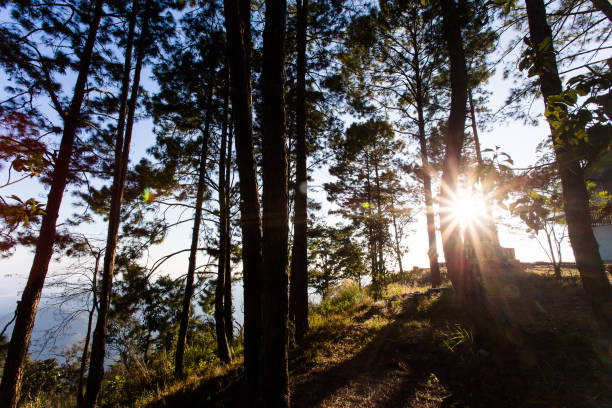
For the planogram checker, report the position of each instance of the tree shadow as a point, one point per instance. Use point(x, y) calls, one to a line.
point(401, 352)
point(409, 363)
point(425, 357)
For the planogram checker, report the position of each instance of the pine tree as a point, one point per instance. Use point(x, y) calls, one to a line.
point(365, 188)
point(275, 218)
point(391, 64)
point(238, 29)
point(121, 159)
point(223, 274)
point(20, 338)
point(451, 237)
point(298, 310)
point(188, 103)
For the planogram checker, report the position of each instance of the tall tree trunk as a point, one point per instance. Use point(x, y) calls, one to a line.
point(575, 196)
point(275, 290)
point(227, 296)
point(298, 297)
point(490, 231)
point(604, 6)
point(398, 252)
point(122, 153)
point(94, 291)
point(238, 27)
point(10, 386)
point(464, 276)
point(222, 346)
point(371, 235)
point(451, 235)
point(432, 251)
point(379, 227)
point(195, 236)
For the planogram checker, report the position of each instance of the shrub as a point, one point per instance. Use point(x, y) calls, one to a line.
point(344, 297)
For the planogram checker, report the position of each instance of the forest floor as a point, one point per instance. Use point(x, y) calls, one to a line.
point(415, 348)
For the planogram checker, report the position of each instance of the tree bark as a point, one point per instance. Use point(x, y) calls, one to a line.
point(94, 291)
point(491, 229)
point(398, 251)
point(604, 6)
point(464, 275)
point(432, 252)
point(451, 235)
point(222, 346)
point(227, 296)
point(298, 310)
point(10, 386)
point(575, 196)
point(238, 28)
point(275, 296)
point(379, 227)
point(371, 235)
point(122, 153)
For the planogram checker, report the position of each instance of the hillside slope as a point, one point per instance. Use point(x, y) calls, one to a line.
point(416, 349)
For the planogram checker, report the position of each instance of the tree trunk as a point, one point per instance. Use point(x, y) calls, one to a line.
point(238, 28)
point(298, 297)
point(371, 235)
point(10, 386)
point(463, 276)
point(222, 346)
point(575, 196)
point(275, 296)
point(122, 153)
point(557, 267)
point(379, 228)
point(227, 296)
point(432, 252)
point(555, 264)
point(94, 291)
point(398, 252)
point(604, 6)
point(451, 235)
point(490, 232)
point(193, 252)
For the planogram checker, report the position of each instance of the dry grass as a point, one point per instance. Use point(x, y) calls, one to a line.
point(195, 388)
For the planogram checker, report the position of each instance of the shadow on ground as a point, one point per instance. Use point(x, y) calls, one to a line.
point(418, 351)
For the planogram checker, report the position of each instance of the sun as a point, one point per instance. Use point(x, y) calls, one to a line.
point(468, 208)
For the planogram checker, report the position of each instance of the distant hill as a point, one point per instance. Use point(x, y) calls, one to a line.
point(48, 320)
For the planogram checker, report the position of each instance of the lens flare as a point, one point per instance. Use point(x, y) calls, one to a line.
point(468, 208)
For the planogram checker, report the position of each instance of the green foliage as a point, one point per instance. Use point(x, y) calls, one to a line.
point(27, 157)
point(460, 337)
point(48, 384)
point(125, 384)
point(505, 5)
point(539, 204)
point(529, 59)
point(333, 255)
point(580, 116)
point(367, 188)
point(346, 296)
